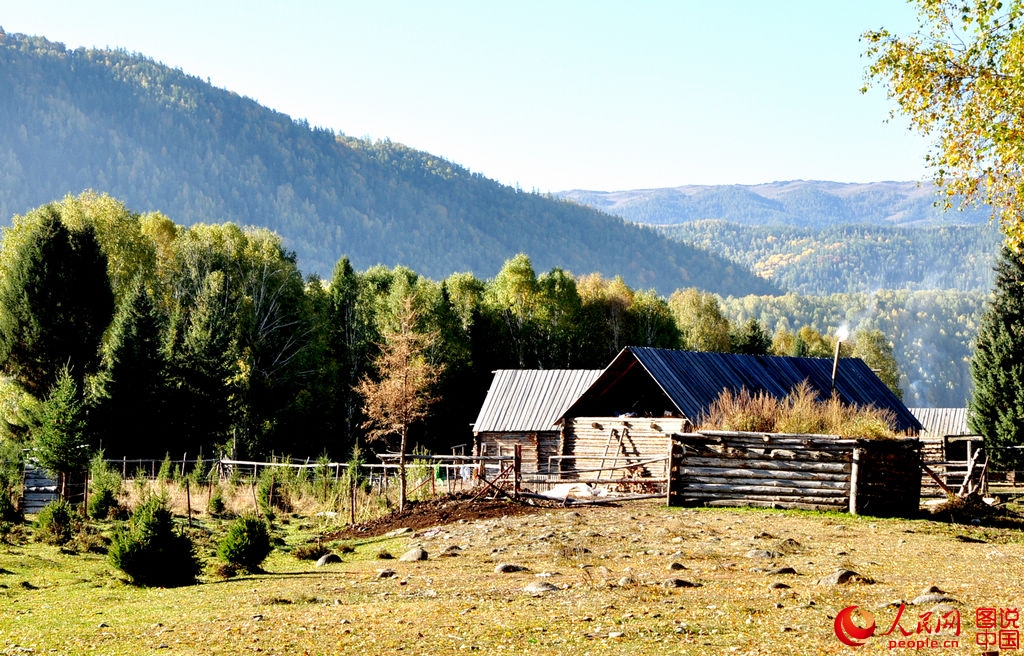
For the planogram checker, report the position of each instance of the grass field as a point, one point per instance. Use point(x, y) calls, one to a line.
point(609, 566)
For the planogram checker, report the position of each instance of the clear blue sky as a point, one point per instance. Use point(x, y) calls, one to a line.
point(546, 94)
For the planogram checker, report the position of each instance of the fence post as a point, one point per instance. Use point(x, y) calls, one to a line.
point(517, 468)
point(854, 475)
point(188, 502)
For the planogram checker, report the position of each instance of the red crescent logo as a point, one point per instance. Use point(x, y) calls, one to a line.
point(849, 633)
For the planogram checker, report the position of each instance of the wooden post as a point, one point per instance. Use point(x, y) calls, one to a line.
point(255, 501)
point(352, 500)
point(854, 474)
point(517, 468)
point(124, 466)
point(188, 502)
point(270, 495)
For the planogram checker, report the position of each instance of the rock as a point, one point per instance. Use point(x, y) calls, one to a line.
point(539, 587)
point(842, 576)
point(384, 555)
point(763, 553)
point(933, 598)
point(508, 568)
point(626, 581)
point(782, 570)
point(413, 555)
point(778, 585)
point(678, 583)
point(676, 566)
point(451, 550)
point(397, 532)
point(386, 573)
point(615, 634)
point(328, 558)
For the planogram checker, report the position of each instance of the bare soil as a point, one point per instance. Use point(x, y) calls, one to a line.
point(438, 512)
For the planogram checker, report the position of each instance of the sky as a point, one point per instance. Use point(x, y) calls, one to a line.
point(548, 95)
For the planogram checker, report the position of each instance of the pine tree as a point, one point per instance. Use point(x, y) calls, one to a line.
point(996, 410)
point(55, 300)
point(61, 436)
point(131, 417)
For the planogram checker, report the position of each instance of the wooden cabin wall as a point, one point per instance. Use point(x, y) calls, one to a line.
point(537, 446)
point(604, 442)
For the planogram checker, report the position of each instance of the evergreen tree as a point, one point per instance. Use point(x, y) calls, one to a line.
point(751, 339)
point(61, 436)
point(55, 300)
point(131, 417)
point(996, 410)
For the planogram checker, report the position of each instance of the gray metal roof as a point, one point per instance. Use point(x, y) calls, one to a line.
point(521, 400)
point(943, 422)
point(692, 380)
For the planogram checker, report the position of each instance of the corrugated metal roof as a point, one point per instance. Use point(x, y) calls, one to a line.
point(943, 422)
point(693, 380)
point(531, 399)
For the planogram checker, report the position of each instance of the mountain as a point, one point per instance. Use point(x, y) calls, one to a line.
point(158, 139)
point(800, 203)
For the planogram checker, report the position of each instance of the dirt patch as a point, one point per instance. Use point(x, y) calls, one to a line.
point(438, 512)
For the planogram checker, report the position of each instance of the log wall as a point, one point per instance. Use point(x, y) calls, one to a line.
point(536, 447)
point(610, 443)
point(796, 471)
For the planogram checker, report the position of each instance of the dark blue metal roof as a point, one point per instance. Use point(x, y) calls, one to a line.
point(692, 380)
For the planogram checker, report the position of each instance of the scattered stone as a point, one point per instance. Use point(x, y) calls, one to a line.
point(451, 550)
point(679, 583)
point(104, 625)
point(386, 573)
point(397, 532)
point(842, 576)
point(676, 566)
point(933, 598)
point(384, 555)
point(626, 581)
point(539, 587)
point(508, 568)
point(763, 535)
point(782, 570)
point(615, 634)
point(413, 555)
point(327, 559)
point(778, 585)
point(763, 553)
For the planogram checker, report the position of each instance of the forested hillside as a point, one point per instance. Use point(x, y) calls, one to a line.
point(158, 139)
point(932, 332)
point(854, 258)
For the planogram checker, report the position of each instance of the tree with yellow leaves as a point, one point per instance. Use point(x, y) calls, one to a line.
point(960, 79)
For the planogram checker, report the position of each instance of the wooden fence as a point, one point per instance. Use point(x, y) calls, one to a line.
point(719, 468)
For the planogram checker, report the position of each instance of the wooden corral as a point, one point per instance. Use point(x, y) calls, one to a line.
point(954, 457)
point(818, 472)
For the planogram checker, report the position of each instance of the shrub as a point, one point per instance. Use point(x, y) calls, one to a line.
point(104, 488)
point(55, 523)
point(215, 506)
point(149, 550)
point(272, 493)
point(247, 543)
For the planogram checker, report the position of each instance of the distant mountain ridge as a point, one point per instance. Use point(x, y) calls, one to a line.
point(797, 203)
point(158, 139)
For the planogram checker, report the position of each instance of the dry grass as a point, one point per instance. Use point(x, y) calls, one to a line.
point(609, 566)
point(801, 412)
